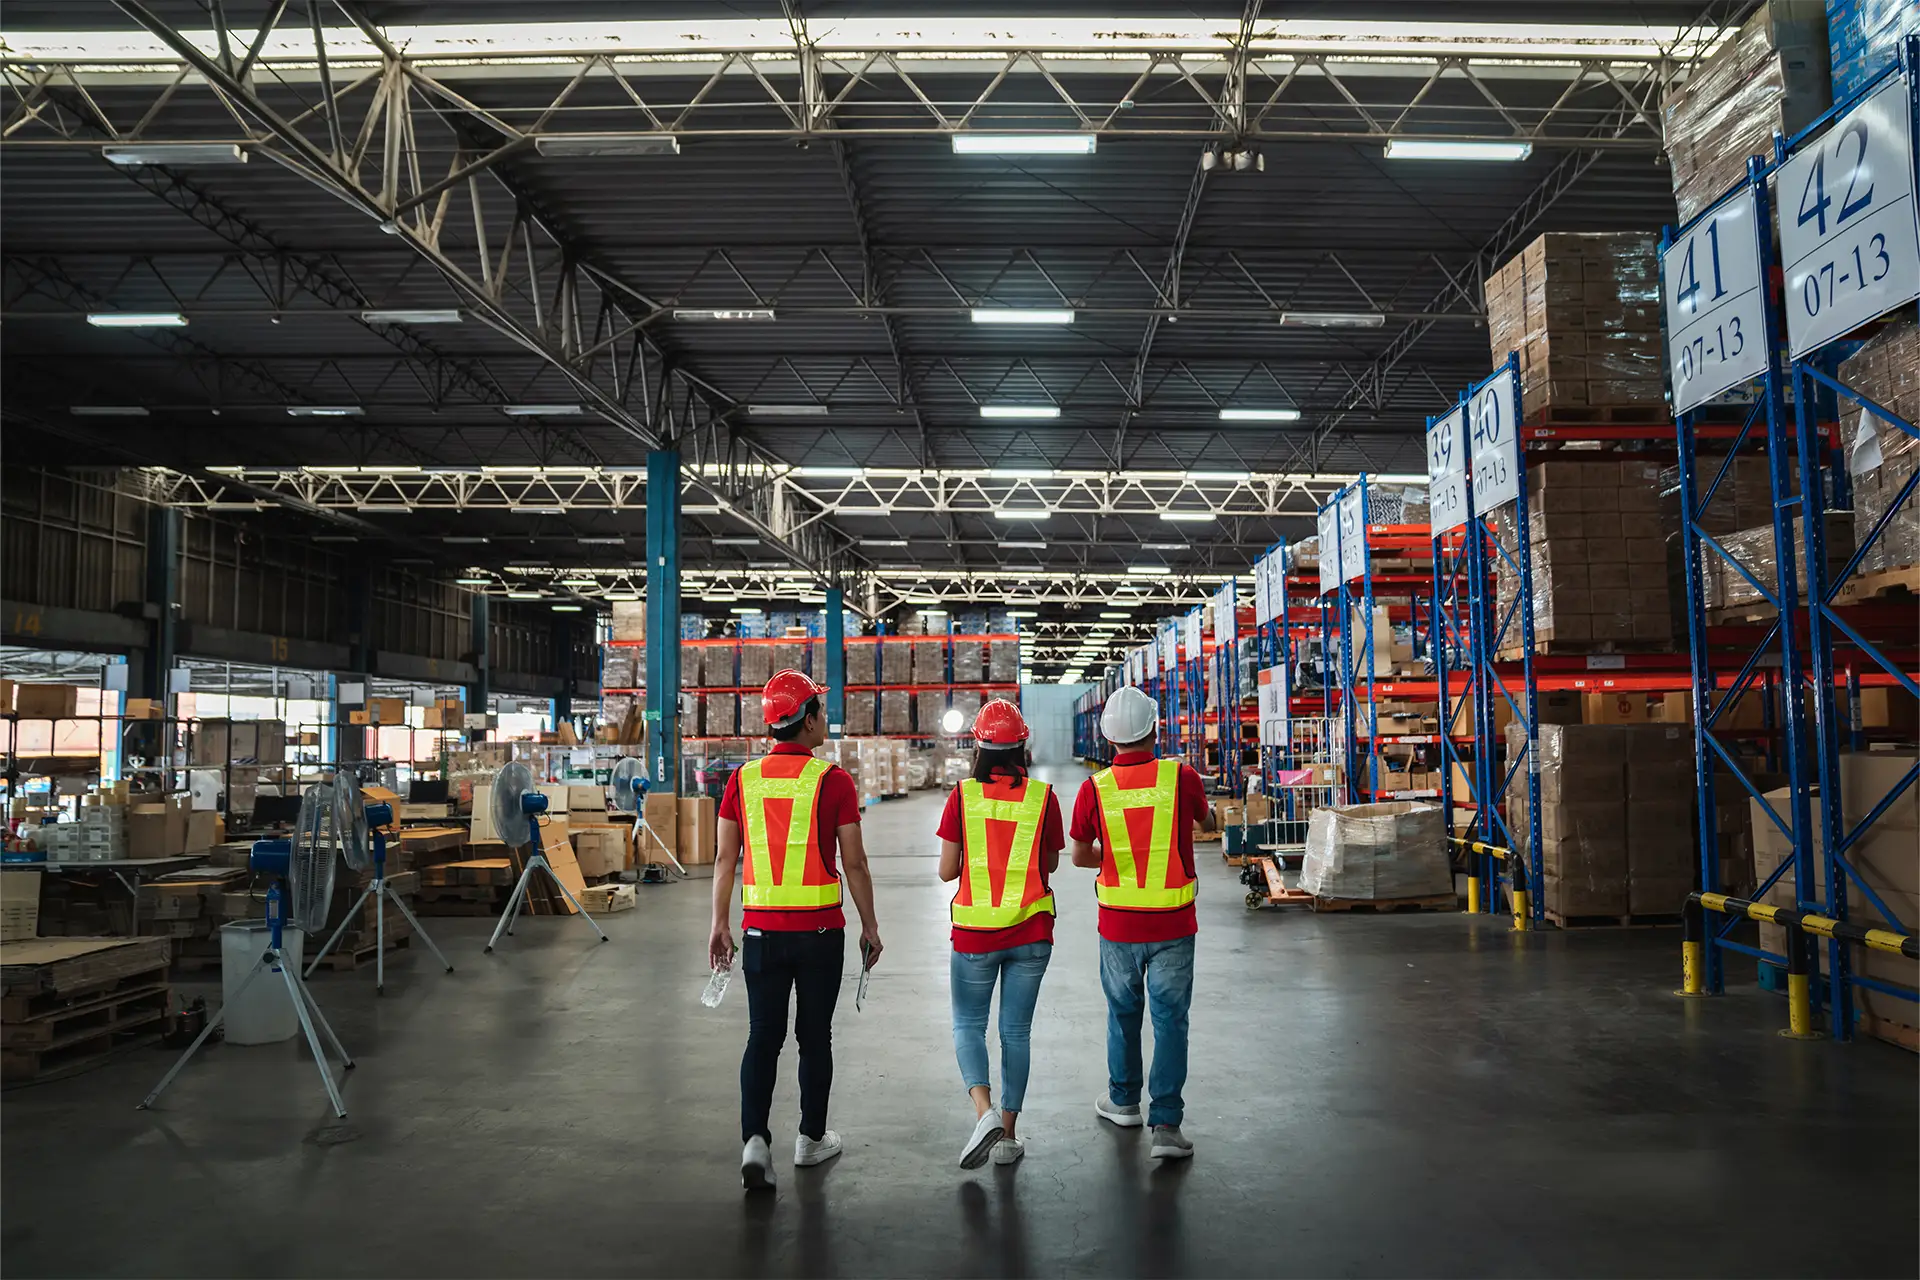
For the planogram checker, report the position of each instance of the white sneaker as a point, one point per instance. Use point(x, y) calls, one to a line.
point(756, 1165)
point(986, 1132)
point(808, 1152)
point(1169, 1143)
point(1009, 1150)
point(1125, 1117)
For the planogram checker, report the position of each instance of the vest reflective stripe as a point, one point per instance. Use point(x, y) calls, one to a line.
point(1159, 891)
point(791, 892)
point(982, 910)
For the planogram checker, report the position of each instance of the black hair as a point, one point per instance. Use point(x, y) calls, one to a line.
point(1004, 761)
point(791, 730)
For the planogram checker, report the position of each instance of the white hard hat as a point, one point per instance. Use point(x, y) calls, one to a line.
point(1129, 716)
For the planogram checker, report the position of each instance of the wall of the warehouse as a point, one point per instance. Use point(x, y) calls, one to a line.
point(1048, 709)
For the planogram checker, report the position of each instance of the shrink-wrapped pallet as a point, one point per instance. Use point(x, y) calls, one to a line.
point(861, 655)
point(1376, 851)
point(1881, 457)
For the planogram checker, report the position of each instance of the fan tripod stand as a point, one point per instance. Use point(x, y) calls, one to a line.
point(273, 958)
point(381, 894)
point(536, 861)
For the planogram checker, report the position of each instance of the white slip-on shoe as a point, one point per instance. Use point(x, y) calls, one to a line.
point(986, 1132)
point(756, 1165)
point(1125, 1117)
point(808, 1152)
point(1169, 1143)
point(1009, 1150)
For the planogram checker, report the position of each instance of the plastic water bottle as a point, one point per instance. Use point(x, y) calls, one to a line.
point(717, 984)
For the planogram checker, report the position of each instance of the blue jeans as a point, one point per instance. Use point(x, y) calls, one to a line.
point(1140, 977)
point(1019, 970)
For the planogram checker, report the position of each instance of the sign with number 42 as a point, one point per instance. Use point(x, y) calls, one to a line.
point(1849, 238)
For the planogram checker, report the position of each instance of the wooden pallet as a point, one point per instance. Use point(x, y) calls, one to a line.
point(22, 1007)
point(1431, 902)
point(78, 1039)
point(69, 966)
point(1583, 415)
point(343, 959)
point(1894, 1033)
point(1653, 920)
point(1757, 611)
point(1881, 582)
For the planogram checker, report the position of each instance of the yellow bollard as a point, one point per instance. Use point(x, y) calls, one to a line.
point(1473, 892)
point(1522, 917)
point(1800, 987)
point(1693, 950)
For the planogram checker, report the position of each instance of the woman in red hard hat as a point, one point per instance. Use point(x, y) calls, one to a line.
point(788, 812)
point(1000, 837)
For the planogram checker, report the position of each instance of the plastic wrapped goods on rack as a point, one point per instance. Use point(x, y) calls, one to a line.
point(1880, 456)
point(1727, 588)
point(1865, 35)
point(1583, 313)
point(1772, 76)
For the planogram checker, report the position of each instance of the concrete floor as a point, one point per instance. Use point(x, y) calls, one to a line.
point(1410, 1095)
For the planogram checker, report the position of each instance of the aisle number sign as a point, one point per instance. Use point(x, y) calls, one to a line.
point(1150, 656)
point(1716, 308)
point(1447, 472)
point(1849, 236)
point(1272, 702)
point(1263, 592)
point(1353, 534)
point(1225, 630)
point(1170, 645)
point(1194, 634)
point(1328, 527)
point(1495, 440)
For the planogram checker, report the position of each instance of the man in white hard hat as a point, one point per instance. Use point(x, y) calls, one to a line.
point(1141, 810)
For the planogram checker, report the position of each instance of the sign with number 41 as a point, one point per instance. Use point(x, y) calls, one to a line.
point(1849, 237)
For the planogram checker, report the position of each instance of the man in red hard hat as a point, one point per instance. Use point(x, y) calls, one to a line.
point(788, 813)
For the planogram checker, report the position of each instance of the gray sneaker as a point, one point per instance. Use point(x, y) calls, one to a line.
point(1125, 1117)
point(1169, 1144)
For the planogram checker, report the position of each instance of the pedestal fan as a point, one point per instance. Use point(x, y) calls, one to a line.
point(366, 849)
point(516, 807)
point(628, 789)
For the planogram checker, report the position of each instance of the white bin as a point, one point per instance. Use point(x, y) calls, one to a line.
point(265, 1015)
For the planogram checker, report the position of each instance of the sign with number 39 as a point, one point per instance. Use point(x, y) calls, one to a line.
point(1848, 234)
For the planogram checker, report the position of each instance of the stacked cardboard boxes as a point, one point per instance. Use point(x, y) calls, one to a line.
point(1865, 35)
point(1582, 311)
point(1773, 76)
point(1880, 456)
point(1599, 561)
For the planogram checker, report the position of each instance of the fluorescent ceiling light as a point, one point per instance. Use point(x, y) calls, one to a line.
point(108, 411)
point(1021, 473)
point(1021, 315)
point(1023, 546)
point(1023, 144)
point(621, 595)
point(1113, 615)
point(703, 509)
point(786, 411)
point(1333, 319)
point(1191, 517)
point(1148, 570)
point(602, 542)
point(136, 319)
point(736, 542)
point(883, 542)
point(1259, 415)
point(538, 511)
point(1225, 477)
point(175, 153)
point(333, 537)
point(766, 564)
point(446, 315)
point(830, 473)
point(323, 411)
point(523, 595)
point(566, 608)
point(458, 538)
point(1022, 613)
point(474, 582)
point(1019, 410)
point(539, 410)
point(1417, 149)
point(1015, 513)
point(744, 611)
point(723, 313)
point(580, 145)
point(579, 582)
point(1163, 546)
point(252, 506)
point(385, 509)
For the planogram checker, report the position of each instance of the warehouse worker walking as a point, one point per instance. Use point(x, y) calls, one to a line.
point(1000, 838)
point(789, 812)
point(1141, 811)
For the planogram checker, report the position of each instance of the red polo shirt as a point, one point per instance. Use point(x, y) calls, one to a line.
point(839, 806)
point(1119, 924)
point(1040, 927)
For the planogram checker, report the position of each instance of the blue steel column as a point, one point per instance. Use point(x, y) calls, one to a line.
point(480, 637)
point(1534, 875)
point(663, 617)
point(836, 661)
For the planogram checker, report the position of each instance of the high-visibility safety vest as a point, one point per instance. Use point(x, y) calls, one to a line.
point(1015, 864)
point(780, 802)
point(1150, 879)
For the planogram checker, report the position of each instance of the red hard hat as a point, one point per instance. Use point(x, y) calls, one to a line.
point(999, 724)
point(786, 696)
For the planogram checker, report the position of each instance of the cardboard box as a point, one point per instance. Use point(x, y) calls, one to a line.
point(158, 830)
point(46, 701)
point(698, 824)
point(661, 833)
point(202, 831)
point(19, 905)
point(145, 709)
point(587, 797)
point(601, 850)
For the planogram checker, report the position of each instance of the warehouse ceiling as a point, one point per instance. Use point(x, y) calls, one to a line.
point(787, 290)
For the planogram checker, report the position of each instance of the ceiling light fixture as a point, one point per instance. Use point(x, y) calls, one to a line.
point(1023, 546)
point(523, 595)
point(176, 153)
point(1149, 570)
point(1332, 319)
point(474, 582)
point(447, 315)
point(1163, 546)
point(736, 542)
point(540, 410)
point(1259, 415)
point(1421, 149)
point(744, 611)
point(723, 313)
point(601, 542)
point(385, 509)
point(1018, 513)
point(883, 542)
point(786, 411)
point(323, 411)
point(1187, 517)
point(570, 146)
point(830, 473)
point(1113, 615)
point(566, 608)
point(1021, 315)
point(1020, 473)
point(538, 511)
point(136, 319)
point(108, 411)
point(1223, 477)
point(1019, 410)
point(457, 538)
point(1024, 144)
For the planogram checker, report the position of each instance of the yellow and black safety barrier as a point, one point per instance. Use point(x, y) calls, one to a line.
point(1801, 926)
point(1476, 849)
